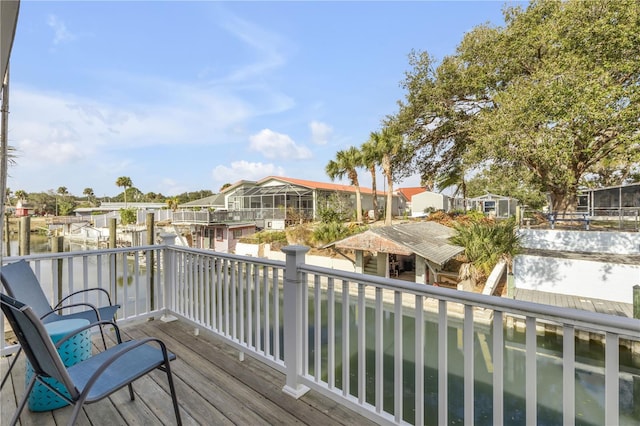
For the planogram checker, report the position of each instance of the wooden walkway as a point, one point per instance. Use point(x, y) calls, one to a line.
point(213, 386)
point(575, 302)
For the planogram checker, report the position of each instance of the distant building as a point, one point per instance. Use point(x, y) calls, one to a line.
point(114, 207)
point(494, 205)
point(612, 201)
point(279, 201)
point(221, 237)
point(407, 195)
point(23, 208)
point(212, 202)
point(428, 201)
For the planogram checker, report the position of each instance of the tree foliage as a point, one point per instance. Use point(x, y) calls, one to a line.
point(553, 96)
point(128, 216)
point(346, 164)
point(391, 148)
point(124, 181)
point(371, 159)
point(505, 182)
point(485, 243)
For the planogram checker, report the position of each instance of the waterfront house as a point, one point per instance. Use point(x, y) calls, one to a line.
point(406, 194)
point(23, 208)
point(109, 207)
point(428, 201)
point(494, 205)
point(280, 201)
point(611, 203)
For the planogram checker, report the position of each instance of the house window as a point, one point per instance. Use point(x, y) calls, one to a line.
point(219, 234)
point(237, 233)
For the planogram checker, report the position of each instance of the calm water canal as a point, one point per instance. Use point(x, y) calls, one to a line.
point(589, 377)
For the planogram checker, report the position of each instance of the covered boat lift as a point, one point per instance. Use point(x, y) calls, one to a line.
point(422, 246)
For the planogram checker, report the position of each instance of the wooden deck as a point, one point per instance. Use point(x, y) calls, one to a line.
point(575, 302)
point(213, 386)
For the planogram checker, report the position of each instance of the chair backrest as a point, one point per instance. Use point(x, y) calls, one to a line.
point(22, 284)
point(35, 342)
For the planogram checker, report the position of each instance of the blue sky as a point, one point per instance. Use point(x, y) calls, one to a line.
point(183, 96)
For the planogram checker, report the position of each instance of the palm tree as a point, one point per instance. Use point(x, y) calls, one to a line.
point(124, 181)
point(62, 190)
point(20, 194)
point(389, 144)
point(454, 176)
point(346, 163)
point(484, 245)
point(173, 203)
point(89, 193)
point(371, 158)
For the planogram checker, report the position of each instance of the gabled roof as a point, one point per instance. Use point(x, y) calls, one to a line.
point(214, 201)
point(319, 185)
point(489, 196)
point(429, 240)
point(409, 192)
point(237, 184)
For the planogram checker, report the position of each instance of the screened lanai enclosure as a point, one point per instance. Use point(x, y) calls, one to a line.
point(279, 202)
point(622, 200)
point(614, 204)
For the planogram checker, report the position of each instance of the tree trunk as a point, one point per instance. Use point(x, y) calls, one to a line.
point(358, 205)
point(374, 191)
point(388, 214)
point(386, 169)
point(563, 200)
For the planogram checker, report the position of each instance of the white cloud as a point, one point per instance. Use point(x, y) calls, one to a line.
point(266, 45)
point(320, 132)
point(275, 145)
point(60, 32)
point(171, 187)
point(245, 170)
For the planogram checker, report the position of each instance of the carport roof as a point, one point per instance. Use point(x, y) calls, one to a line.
point(429, 240)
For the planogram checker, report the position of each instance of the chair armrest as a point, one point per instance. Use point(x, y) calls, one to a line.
point(118, 354)
point(58, 307)
point(84, 291)
point(100, 324)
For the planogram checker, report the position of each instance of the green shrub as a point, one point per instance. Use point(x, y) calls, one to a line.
point(328, 232)
point(486, 243)
point(128, 216)
point(265, 237)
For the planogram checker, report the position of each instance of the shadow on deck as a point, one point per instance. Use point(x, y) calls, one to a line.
point(213, 385)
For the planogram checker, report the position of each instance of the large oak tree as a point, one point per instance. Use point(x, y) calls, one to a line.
point(555, 94)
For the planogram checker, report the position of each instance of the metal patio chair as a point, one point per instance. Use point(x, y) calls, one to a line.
point(21, 283)
point(90, 380)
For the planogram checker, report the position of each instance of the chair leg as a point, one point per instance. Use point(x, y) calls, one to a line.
point(174, 398)
point(76, 412)
point(24, 399)
point(131, 394)
point(13, 362)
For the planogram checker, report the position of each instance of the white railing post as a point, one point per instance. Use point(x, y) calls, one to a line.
point(292, 320)
point(168, 264)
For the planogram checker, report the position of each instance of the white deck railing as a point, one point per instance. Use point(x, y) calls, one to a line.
point(395, 351)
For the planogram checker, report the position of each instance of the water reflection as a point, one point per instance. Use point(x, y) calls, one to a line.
point(589, 375)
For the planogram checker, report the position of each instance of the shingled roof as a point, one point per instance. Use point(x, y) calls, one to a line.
point(429, 240)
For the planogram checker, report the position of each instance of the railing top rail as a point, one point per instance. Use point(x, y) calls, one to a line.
point(83, 253)
point(235, 257)
point(585, 319)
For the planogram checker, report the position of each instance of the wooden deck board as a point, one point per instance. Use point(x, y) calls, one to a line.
point(576, 302)
point(213, 386)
